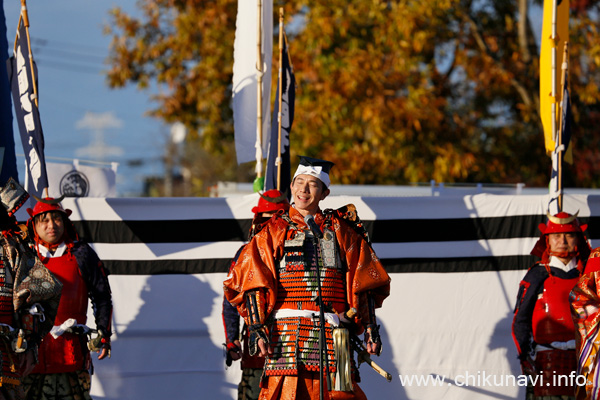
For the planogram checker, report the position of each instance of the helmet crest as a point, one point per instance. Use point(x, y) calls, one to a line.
point(48, 204)
point(565, 220)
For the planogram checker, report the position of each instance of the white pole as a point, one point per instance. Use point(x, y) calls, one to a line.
point(554, 11)
point(259, 95)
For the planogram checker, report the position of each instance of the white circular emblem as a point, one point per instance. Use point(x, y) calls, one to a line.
point(74, 184)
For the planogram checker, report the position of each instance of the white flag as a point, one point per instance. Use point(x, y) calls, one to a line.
point(245, 78)
point(76, 180)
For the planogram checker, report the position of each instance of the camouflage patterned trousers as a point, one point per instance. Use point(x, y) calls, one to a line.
point(249, 387)
point(65, 386)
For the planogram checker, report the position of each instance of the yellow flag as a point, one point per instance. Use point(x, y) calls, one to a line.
point(562, 36)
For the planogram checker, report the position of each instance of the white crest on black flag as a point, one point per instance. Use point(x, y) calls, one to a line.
point(27, 114)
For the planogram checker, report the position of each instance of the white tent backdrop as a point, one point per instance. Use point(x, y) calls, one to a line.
point(455, 263)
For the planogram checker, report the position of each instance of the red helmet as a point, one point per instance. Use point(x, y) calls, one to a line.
point(270, 201)
point(562, 222)
point(47, 204)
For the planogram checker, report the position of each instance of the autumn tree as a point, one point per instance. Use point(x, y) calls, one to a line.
point(392, 91)
point(184, 49)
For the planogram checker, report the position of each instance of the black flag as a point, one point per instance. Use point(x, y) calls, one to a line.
point(27, 113)
point(288, 96)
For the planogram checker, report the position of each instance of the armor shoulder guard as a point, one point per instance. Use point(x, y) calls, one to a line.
point(536, 273)
point(349, 214)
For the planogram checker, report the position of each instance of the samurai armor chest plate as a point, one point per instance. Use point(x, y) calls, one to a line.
point(296, 338)
point(302, 265)
point(551, 320)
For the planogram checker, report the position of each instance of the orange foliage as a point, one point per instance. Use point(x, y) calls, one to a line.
point(393, 92)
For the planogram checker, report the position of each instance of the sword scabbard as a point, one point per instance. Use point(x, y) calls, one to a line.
point(363, 356)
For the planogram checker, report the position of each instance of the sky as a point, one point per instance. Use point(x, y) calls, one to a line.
point(81, 116)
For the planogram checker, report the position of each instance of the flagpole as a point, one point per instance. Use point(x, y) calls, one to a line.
point(25, 17)
point(559, 146)
point(553, 53)
point(555, 135)
point(280, 86)
point(259, 94)
point(17, 35)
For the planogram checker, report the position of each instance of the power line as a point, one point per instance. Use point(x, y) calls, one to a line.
point(68, 53)
point(46, 52)
point(50, 43)
point(67, 66)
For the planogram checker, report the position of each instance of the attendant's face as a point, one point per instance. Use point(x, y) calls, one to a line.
point(262, 217)
point(563, 242)
point(50, 227)
point(307, 192)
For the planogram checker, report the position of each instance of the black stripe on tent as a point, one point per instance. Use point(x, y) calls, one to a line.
point(403, 265)
point(458, 229)
point(158, 267)
point(381, 231)
point(173, 231)
point(474, 264)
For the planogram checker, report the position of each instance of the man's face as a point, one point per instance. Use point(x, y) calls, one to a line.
point(262, 217)
point(563, 242)
point(307, 192)
point(50, 227)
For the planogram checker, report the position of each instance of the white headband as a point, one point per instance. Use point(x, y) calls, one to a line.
point(317, 172)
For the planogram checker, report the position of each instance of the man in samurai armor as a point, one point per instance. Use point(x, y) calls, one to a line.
point(306, 285)
point(63, 371)
point(269, 203)
point(29, 297)
point(585, 308)
point(543, 329)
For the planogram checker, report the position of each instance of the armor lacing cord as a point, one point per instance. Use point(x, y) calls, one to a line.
point(341, 347)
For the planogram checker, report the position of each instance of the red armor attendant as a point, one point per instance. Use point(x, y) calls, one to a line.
point(269, 203)
point(543, 329)
point(64, 359)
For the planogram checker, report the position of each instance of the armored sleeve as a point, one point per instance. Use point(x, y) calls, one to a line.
point(231, 316)
point(231, 322)
point(95, 276)
point(529, 289)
